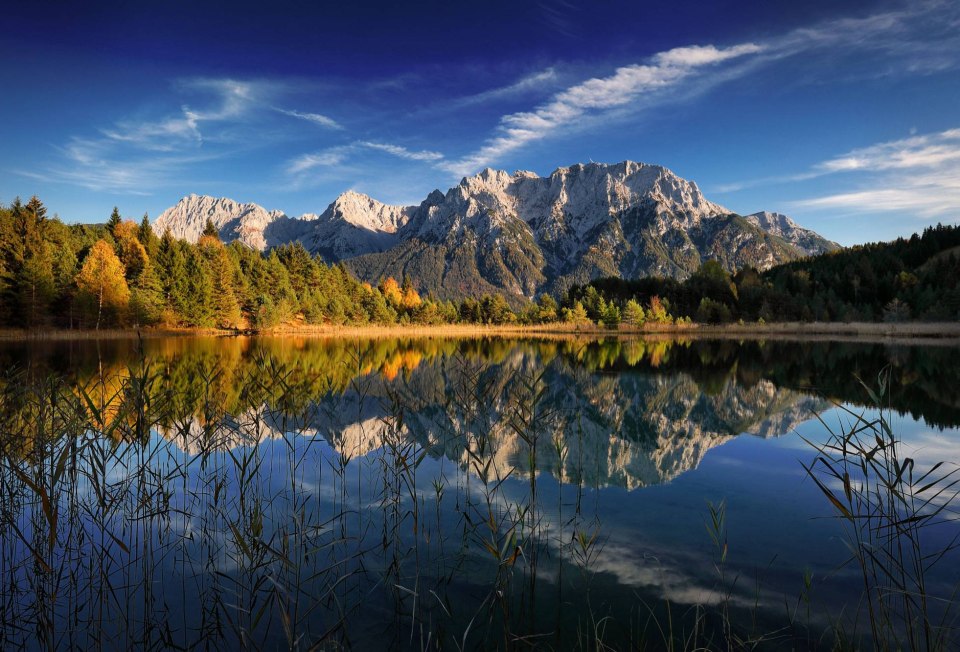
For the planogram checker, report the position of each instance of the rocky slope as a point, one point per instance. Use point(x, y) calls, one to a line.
point(778, 224)
point(520, 234)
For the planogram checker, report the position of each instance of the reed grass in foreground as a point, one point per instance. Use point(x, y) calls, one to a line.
point(891, 510)
point(135, 513)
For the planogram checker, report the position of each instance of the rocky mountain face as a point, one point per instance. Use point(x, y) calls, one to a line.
point(251, 224)
point(520, 234)
point(809, 242)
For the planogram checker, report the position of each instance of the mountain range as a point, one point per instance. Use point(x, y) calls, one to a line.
point(518, 234)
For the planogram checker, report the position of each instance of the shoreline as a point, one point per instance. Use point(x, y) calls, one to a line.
point(919, 332)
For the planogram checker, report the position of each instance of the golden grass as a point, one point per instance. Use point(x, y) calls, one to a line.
point(910, 332)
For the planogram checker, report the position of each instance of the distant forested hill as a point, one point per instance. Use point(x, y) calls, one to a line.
point(913, 278)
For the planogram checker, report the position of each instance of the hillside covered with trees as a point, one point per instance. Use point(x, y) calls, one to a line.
point(122, 274)
point(916, 278)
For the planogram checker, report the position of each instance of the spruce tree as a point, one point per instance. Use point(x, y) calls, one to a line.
point(171, 271)
point(146, 297)
point(226, 309)
point(34, 280)
point(210, 230)
point(197, 301)
point(114, 220)
point(145, 232)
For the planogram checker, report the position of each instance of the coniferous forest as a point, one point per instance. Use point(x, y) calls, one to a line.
point(122, 274)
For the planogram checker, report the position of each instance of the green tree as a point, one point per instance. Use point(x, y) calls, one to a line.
point(171, 269)
point(197, 304)
point(147, 237)
point(577, 315)
point(547, 309)
point(146, 297)
point(713, 312)
point(209, 230)
point(611, 315)
point(494, 309)
point(226, 310)
point(34, 280)
point(633, 314)
point(114, 220)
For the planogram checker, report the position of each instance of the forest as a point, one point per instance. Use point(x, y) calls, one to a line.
point(123, 274)
point(909, 279)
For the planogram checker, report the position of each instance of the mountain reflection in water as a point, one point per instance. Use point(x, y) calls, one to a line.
point(236, 476)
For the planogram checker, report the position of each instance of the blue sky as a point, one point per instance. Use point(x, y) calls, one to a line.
point(844, 115)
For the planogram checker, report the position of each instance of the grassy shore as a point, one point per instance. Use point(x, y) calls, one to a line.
point(910, 332)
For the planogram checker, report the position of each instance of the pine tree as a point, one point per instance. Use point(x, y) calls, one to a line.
point(114, 220)
point(171, 270)
point(226, 310)
point(146, 297)
point(101, 283)
point(36, 285)
point(147, 237)
point(60, 239)
point(145, 232)
point(132, 253)
point(210, 230)
point(33, 271)
point(197, 302)
point(36, 208)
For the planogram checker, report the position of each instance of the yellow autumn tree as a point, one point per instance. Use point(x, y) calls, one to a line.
point(391, 291)
point(125, 230)
point(410, 299)
point(101, 285)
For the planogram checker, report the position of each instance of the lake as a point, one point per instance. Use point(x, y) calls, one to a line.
point(308, 493)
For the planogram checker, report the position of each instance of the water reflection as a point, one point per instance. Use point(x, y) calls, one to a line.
point(290, 492)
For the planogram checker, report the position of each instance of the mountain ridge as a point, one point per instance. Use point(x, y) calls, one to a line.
point(519, 234)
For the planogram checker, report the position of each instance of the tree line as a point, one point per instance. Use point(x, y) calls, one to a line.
point(916, 278)
point(123, 274)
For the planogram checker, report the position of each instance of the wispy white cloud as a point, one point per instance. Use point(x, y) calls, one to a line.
point(536, 81)
point(231, 100)
point(303, 171)
point(326, 158)
point(922, 38)
point(926, 199)
point(136, 156)
point(92, 164)
point(919, 175)
point(596, 95)
point(315, 118)
point(928, 151)
point(401, 152)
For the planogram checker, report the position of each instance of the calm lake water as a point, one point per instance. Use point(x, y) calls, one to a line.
point(456, 494)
